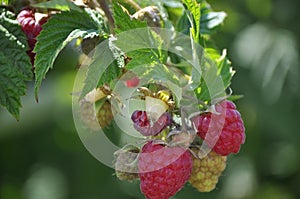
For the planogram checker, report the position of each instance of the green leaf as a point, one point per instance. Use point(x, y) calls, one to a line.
point(194, 15)
point(108, 61)
point(216, 77)
point(210, 21)
point(235, 97)
point(105, 66)
point(114, 70)
point(57, 33)
point(5, 2)
point(15, 64)
point(159, 72)
point(147, 55)
point(124, 22)
point(140, 58)
point(62, 5)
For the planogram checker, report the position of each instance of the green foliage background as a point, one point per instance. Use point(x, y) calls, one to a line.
point(42, 157)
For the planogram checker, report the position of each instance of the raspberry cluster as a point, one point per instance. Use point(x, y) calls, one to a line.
point(171, 155)
point(31, 27)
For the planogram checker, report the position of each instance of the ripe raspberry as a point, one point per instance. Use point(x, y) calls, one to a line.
point(144, 126)
point(163, 171)
point(31, 28)
point(133, 82)
point(223, 132)
point(126, 165)
point(105, 114)
point(206, 171)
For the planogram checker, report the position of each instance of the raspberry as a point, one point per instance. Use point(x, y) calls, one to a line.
point(125, 165)
point(223, 132)
point(206, 171)
point(133, 82)
point(163, 171)
point(88, 115)
point(105, 114)
point(143, 125)
point(140, 118)
point(31, 28)
point(92, 120)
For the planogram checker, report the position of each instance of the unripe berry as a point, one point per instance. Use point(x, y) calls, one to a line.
point(206, 171)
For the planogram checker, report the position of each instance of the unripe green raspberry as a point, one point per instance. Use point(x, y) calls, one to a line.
point(88, 114)
point(93, 118)
point(105, 114)
point(206, 171)
point(126, 164)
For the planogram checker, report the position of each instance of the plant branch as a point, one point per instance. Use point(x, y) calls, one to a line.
point(105, 7)
point(132, 4)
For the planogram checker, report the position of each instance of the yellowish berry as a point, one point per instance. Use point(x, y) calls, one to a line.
point(206, 171)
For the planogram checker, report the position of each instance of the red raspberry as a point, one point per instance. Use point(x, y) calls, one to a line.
point(133, 82)
point(163, 171)
point(31, 28)
point(143, 125)
point(140, 118)
point(223, 132)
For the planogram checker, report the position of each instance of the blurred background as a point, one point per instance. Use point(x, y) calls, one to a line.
point(42, 157)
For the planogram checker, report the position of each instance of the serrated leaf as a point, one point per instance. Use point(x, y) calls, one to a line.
point(147, 55)
point(15, 64)
point(14, 44)
point(146, 47)
point(12, 86)
point(209, 21)
point(114, 70)
point(159, 72)
point(124, 22)
point(140, 58)
point(216, 77)
point(194, 16)
point(56, 34)
point(62, 5)
point(103, 67)
point(108, 61)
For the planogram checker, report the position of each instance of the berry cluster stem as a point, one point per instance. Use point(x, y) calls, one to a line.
point(132, 4)
point(105, 7)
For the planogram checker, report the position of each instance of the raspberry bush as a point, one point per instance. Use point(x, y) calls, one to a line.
point(152, 64)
